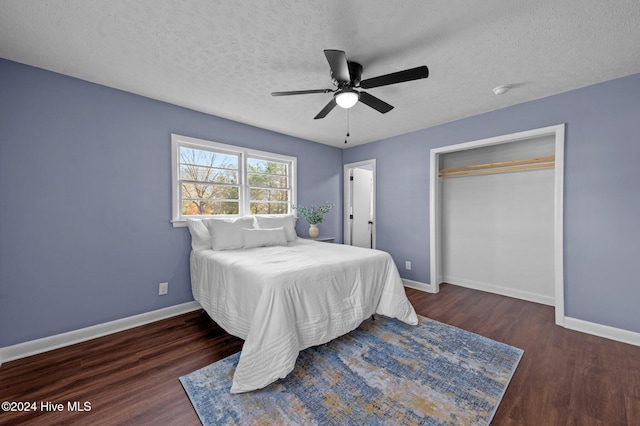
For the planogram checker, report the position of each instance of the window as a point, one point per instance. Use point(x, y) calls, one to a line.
point(269, 186)
point(216, 179)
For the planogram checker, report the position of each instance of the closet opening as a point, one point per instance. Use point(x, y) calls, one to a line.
point(496, 216)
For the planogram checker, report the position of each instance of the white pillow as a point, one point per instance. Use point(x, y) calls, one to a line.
point(263, 237)
point(200, 237)
point(287, 222)
point(226, 233)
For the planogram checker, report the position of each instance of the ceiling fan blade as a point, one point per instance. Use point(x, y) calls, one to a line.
point(375, 103)
point(338, 63)
point(396, 77)
point(327, 109)
point(301, 92)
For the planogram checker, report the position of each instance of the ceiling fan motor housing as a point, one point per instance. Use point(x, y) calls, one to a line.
point(355, 73)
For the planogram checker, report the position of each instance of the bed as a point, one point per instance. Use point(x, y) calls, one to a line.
point(287, 296)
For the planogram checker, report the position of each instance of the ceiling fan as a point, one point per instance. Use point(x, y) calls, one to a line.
point(346, 77)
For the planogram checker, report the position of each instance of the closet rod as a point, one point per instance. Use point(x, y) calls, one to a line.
point(498, 170)
point(499, 164)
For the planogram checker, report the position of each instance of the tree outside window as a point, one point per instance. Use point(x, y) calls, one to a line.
point(210, 178)
point(209, 182)
point(269, 186)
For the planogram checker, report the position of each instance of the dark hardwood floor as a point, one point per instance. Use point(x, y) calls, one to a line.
point(564, 377)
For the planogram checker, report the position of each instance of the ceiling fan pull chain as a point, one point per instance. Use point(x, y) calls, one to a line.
point(347, 132)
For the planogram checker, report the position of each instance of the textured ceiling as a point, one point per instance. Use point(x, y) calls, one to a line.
point(226, 57)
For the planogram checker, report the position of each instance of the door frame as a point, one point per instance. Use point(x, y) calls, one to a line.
point(558, 131)
point(371, 164)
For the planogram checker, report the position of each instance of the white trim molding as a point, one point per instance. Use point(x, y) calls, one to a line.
point(604, 331)
point(504, 291)
point(417, 285)
point(33, 347)
point(612, 333)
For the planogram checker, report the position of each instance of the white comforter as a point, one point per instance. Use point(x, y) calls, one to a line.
point(284, 299)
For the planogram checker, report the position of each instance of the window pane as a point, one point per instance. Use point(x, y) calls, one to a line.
point(264, 166)
point(272, 181)
point(269, 195)
point(269, 208)
point(210, 207)
point(200, 157)
point(200, 191)
point(207, 174)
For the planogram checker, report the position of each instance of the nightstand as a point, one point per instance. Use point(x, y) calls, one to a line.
point(323, 239)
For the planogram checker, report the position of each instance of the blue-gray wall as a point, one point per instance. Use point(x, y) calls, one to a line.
point(85, 187)
point(601, 194)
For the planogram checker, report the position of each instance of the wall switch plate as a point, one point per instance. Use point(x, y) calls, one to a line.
point(407, 265)
point(163, 288)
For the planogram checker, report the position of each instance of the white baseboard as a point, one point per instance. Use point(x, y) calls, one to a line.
point(418, 285)
point(504, 291)
point(618, 334)
point(612, 333)
point(33, 347)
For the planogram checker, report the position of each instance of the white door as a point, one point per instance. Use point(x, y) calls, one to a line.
point(362, 208)
point(360, 203)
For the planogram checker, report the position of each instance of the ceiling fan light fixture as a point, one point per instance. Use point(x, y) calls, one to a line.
point(347, 98)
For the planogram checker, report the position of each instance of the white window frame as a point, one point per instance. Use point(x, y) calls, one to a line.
point(178, 141)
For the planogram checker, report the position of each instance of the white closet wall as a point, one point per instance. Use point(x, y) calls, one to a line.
point(497, 230)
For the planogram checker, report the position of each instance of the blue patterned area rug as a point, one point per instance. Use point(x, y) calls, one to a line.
point(383, 373)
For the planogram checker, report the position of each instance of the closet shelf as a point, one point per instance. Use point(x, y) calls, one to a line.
point(499, 167)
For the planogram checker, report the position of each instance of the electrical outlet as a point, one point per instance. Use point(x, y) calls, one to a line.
point(163, 288)
point(407, 265)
